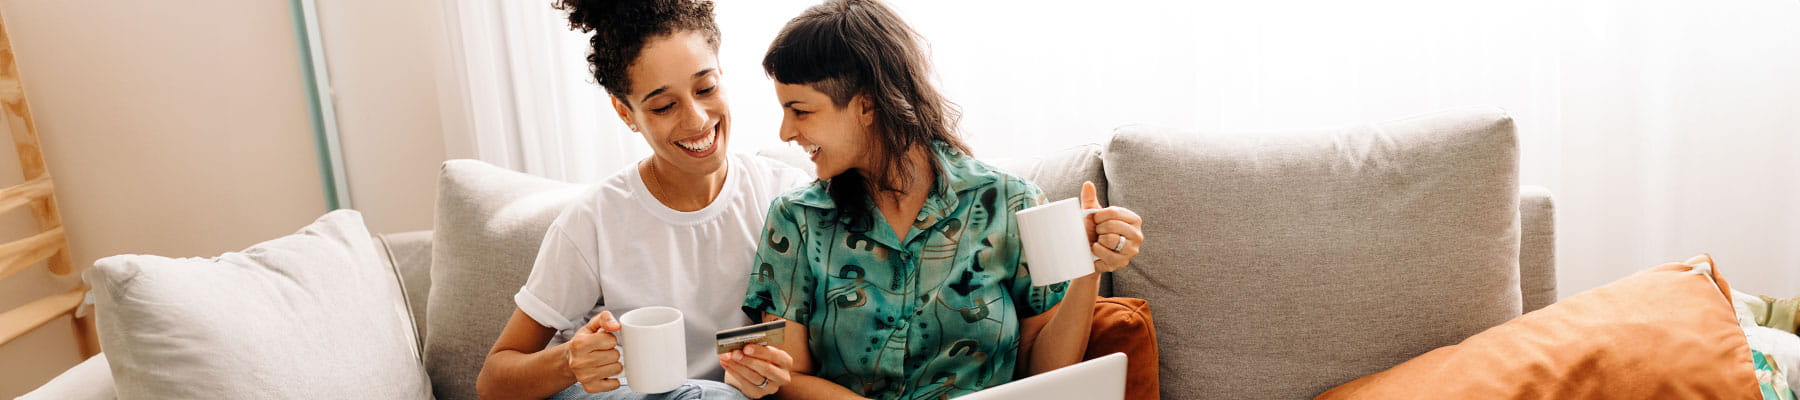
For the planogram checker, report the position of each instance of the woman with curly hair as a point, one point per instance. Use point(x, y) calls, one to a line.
point(673, 230)
point(900, 272)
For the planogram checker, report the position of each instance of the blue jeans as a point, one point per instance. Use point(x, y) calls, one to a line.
point(693, 389)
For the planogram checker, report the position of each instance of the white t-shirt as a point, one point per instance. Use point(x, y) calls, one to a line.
point(620, 249)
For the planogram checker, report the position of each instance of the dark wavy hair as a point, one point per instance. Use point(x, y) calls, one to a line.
point(620, 28)
point(845, 48)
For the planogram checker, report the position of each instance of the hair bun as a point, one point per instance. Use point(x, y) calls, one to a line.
point(589, 15)
point(618, 29)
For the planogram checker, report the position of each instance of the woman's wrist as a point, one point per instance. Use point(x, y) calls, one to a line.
point(1083, 288)
point(558, 357)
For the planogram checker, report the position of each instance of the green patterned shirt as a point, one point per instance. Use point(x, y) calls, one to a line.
point(935, 314)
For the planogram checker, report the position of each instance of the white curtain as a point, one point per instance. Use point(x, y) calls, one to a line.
point(517, 93)
point(1665, 128)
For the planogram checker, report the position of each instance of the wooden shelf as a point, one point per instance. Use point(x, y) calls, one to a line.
point(20, 254)
point(37, 194)
point(19, 321)
point(23, 194)
point(10, 90)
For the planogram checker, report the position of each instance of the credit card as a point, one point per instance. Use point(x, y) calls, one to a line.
point(768, 334)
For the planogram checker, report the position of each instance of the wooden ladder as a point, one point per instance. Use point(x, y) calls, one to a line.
point(38, 193)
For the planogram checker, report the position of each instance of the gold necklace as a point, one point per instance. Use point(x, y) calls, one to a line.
point(667, 199)
point(656, 184)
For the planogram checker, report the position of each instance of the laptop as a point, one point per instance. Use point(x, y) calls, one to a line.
point(1097, 379)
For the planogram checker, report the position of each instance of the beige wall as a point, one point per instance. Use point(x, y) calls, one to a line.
point(381, 56)
point(175, 129)
point(182, 130)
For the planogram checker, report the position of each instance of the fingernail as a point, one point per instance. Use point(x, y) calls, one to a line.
point(750, 350)
point(737, 356)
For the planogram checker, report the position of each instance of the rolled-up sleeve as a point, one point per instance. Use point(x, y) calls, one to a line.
point(564, 285)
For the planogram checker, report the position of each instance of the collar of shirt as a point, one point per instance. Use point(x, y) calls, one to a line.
point(956, 178)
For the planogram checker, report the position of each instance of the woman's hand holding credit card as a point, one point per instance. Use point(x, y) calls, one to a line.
point(767, 334)
point(752, 364)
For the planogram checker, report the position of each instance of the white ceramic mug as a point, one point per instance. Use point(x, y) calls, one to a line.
point(657, 360)
point(1055, 239)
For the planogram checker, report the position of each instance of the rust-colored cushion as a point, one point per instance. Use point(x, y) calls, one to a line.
point(1123, 325)
point(1664, 333)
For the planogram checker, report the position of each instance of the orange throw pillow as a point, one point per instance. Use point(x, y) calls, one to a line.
point(1664, 333)
point(1123, 325)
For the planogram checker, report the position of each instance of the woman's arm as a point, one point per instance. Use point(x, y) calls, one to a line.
point(1058, 338)
point(519, 367)
point(804, 384)
point(1064, 328)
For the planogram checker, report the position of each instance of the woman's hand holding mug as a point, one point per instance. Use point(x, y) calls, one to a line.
point(1114, 233)
point(593, 356)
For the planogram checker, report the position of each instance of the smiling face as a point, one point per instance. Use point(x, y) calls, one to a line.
point(677, 102)
point(837, 138)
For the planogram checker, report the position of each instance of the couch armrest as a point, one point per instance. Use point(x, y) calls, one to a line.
point(89, 380)
point(1537, 248)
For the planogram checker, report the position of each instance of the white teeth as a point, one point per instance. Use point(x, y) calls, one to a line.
point(811, 149)
point(702, 144)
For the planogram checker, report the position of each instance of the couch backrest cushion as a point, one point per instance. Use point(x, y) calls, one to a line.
point(490, 221)
point(1060, 173)
point(1537, 248)
point(1300, 261)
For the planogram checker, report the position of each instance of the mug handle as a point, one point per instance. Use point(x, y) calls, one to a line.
point(1085, 213)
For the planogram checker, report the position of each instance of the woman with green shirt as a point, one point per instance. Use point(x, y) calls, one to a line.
point(900, 271)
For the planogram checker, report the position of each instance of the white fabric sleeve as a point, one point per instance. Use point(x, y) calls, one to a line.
point(564, 284)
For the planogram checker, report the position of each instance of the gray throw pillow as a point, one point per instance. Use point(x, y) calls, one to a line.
point(1284, 264)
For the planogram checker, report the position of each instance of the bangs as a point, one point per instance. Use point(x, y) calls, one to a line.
point(811, 50)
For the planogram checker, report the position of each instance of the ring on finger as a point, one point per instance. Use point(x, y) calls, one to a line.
point(1119, 246)
point(764, 384)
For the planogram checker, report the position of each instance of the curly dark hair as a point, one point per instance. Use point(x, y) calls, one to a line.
point(620, 28)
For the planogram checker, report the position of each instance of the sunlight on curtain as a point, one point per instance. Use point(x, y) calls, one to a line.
point(522, 96)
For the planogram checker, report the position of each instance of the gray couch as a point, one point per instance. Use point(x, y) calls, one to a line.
point(1277, 265)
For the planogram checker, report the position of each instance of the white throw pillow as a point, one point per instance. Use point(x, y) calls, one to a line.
point(312, 315)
